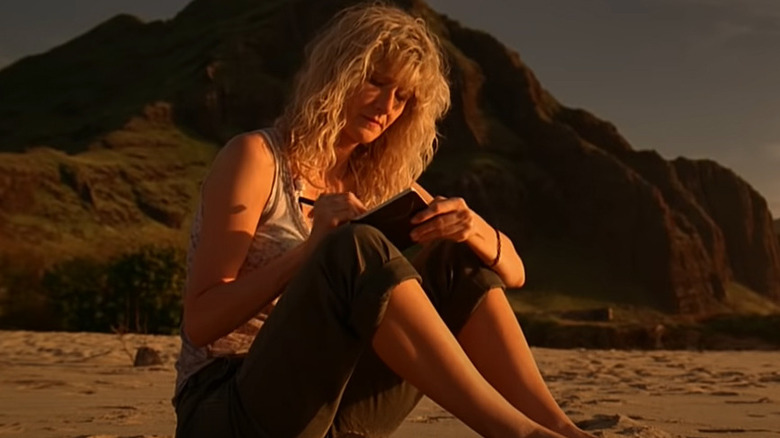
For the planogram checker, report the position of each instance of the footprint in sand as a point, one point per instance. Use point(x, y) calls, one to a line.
point(605, 400)
point(11, 428)
point(772, 377)
point(724, 393)
point(734, 430)
point(762, 400)
point(643, 373)
point(675, 365)
point(37, 383)
point(699, 373)
point(118, 415)
point(599, 422)
point(621, 426)
point(724, 374)
point(427, 419)
point(746, 385)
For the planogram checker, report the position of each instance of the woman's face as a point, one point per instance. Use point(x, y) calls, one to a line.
point(376, 104)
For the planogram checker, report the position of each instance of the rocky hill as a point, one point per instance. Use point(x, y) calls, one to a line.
point(777, 229)
point(107, 136)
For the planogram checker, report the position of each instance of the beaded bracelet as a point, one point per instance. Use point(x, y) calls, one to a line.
point(498, 249)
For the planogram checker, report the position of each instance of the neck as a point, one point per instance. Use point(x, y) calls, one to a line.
point(339, 172)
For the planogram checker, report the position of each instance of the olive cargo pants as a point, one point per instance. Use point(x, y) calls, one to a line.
point(311, 371)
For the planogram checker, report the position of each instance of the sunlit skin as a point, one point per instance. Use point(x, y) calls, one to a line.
point(505, 398)
point(514, 401)
point(378, 102)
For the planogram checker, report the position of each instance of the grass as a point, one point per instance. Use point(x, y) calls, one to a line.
point(745, 320)
point(141, 190)
point(744, 301)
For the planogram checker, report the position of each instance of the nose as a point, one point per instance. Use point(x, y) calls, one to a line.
point(385, 101)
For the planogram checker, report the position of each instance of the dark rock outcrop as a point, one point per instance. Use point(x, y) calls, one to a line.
point(742, 215)
point(147, 356)
point(776, 224)
point(680, 230)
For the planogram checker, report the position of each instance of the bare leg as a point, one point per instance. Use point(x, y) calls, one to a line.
point(517, 377)
point(416, 344)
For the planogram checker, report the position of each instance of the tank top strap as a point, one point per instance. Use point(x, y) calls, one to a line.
point(273, 139)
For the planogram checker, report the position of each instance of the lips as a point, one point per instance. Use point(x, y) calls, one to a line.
point(374, 121)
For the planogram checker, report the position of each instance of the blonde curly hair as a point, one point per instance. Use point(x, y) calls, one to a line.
point(357, 41)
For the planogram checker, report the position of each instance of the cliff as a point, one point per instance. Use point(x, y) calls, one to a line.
point(153, 100)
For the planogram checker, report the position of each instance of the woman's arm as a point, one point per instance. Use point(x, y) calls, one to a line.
point(234, 195)
point(452, 219)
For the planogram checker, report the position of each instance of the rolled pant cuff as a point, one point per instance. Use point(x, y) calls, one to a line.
point(374, 286)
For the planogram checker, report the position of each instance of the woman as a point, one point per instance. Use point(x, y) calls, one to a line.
point(358, 333)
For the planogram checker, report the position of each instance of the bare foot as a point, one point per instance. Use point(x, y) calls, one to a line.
point(576, 432)
point(543, 432)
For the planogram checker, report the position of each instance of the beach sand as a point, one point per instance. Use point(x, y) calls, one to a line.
point(84, 385)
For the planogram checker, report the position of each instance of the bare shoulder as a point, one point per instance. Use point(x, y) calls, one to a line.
point(234, 193)
point(246, 159)
point(250, 148)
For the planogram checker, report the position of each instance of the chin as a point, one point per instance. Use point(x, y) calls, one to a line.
point(365, 135)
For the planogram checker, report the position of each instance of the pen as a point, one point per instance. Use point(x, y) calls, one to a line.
point(306, 201)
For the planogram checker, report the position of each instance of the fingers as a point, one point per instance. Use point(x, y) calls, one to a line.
point(455, 225)
point(336, 208)
point(439, 206)
point(445, 218)
point(343, 211)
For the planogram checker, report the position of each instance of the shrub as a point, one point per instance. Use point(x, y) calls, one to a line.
point(146, 288)
point(136, 292)
point(78, 294)
point(23, 305)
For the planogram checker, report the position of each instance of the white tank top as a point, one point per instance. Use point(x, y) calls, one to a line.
point(281, 227)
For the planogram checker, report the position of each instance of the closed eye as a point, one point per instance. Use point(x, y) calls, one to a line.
point(376, 82)
point(402, 96)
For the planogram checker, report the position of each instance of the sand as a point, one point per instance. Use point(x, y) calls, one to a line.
point(84, 385)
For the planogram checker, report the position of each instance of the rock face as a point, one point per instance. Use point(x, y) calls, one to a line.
point(679, 230)
point(683, 229)
point(776, 224)
point(147, 356)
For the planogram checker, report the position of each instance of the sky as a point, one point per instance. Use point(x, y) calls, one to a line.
point(692, 78)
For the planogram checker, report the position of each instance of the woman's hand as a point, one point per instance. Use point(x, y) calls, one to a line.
point(331, 210)
point(445, 218)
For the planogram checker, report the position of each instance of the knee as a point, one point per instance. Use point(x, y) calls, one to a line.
point(354, 233)
point(355, 245)
point(351, 237)
point(360, 267)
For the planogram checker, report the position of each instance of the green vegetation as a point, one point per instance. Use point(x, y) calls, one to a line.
point(764, 327)
point(118, 128)
point(76, 234)
point(744, 320)
point(740, 300)
point(135, 292)
point(142, 189)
